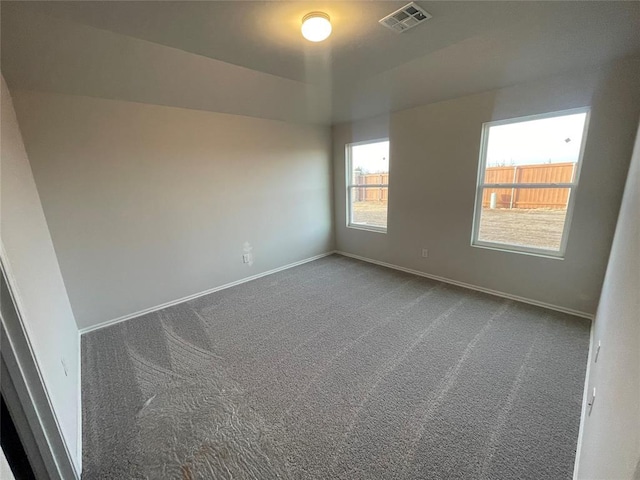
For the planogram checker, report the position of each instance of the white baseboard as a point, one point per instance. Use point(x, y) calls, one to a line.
point(585, 400)
point(388, 265)
point(79, 419)
point(497, 293)
point(200, 294)
point(316, 257)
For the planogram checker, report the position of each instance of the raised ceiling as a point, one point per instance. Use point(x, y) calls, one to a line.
point(249, 57)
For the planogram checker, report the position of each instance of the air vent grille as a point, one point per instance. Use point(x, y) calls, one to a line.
point(405, 18)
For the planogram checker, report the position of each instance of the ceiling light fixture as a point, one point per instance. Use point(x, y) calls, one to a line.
point(316, 26)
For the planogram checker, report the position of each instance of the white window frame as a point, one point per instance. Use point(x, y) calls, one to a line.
point(350, 186)
point(572, 186)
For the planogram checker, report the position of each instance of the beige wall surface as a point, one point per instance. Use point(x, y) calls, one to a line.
point(148, 204)
point(34, 275)
point(611, 433)
point(434, 152)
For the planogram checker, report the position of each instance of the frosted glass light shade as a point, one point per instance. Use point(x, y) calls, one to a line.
point(316, 26)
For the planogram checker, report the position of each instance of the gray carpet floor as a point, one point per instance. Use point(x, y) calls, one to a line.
point(335, 369)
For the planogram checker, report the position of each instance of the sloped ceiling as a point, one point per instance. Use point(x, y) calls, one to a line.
point(249, 58)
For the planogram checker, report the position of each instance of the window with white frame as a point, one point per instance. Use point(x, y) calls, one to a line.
point(527, 179)
point(368, 185)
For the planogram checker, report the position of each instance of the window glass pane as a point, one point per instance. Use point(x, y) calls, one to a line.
point(370, 163)
point(526, 217)
point(369, 206)
point(369, 167)
point(535, 151)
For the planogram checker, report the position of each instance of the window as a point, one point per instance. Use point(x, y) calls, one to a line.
point(528, 174)
point(368, 185)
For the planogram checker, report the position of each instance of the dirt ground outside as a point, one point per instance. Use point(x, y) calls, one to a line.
point(539, 228)
point(370, 213)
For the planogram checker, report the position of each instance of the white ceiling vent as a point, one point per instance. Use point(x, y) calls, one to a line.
point(405, 18)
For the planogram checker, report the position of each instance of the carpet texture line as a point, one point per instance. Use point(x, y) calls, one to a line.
point(336, 369)
point(290, 353)
point(434, 399)
point(284, 325)
point(350, 344)
point(504, 411)
point(390, 366)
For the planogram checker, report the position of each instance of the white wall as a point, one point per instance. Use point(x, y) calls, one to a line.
point(147, 204)
point(33, 270)
point(43, 53)
point(611, 434)
point(434, 155)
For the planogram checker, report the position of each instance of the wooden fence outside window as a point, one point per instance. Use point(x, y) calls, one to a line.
point(523, 198)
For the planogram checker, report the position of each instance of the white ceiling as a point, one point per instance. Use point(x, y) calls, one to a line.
point(249, 57)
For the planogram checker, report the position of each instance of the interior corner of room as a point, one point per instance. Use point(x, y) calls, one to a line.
point(404, 223)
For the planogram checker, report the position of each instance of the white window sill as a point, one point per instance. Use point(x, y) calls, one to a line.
point(521, 250)
point(367, 228)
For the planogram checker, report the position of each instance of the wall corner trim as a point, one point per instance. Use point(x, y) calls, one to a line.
point(79, 420)
point(55, 441)
point(585, 400)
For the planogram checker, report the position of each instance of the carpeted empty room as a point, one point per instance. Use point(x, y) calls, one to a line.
point(336, 369)
point(320, 240)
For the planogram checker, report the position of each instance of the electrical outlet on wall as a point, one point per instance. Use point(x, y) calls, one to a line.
point(247, 256)
point(592, 400)
point(425, 253)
